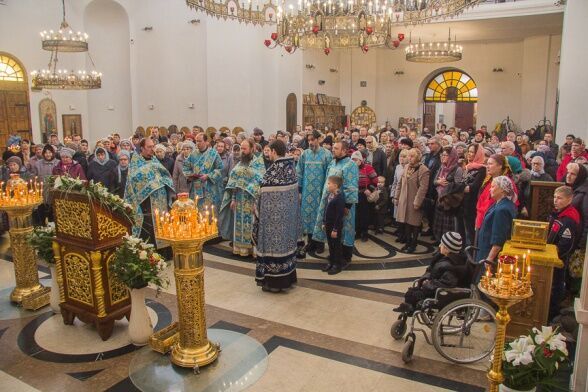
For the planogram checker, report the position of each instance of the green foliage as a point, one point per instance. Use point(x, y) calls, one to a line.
point(41, 239)
point(137, 264)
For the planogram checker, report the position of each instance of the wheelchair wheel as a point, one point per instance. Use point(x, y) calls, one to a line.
point(408, 349)
point(460, 332)
point(398, 329)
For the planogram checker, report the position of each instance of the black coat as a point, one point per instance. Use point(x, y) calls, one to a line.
point(379, 161)
point(106, 174)
point(444, 272)
point(168, 163)
point(433, 163)
point(334, 213)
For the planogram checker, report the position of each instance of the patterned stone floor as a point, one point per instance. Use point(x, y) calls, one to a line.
point(329, 333)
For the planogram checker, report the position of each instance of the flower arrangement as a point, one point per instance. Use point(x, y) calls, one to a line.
point(41, 239)
point(95, 192)
point(534, 360)
point(137, 264)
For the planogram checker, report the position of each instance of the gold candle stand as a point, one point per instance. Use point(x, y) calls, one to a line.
point(28, 291)
point(186, 230)
point(193, 348)
point(508, 286)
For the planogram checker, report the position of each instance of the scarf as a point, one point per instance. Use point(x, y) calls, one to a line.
point(106, 157)
point(478, 161)
point(447, 168)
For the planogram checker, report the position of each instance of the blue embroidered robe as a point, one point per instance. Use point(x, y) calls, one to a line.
point(211, 164)
point(147, 179)
point(348, 170)
point(276, 233)
point(243, 188)
point(311, 171)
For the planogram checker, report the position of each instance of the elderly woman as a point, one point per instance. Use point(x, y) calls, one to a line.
point(497, 222)
point(162, 156)
point(538, 170)
point(14, 165)
point(446, 179)
point(124, 158)
point(102, 169)
point(577, 178)
point(409, 196)
point(126, 145)
point(178, 177)
point(67, 166)
point(368, 181)
point(497, 165)
point(402, 161)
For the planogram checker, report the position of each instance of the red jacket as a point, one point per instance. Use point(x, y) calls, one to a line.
point(74, 170)
point(485, 201)
point(367, 176)
point(562, 169)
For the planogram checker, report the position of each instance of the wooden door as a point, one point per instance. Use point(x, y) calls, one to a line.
point(464, 115)
point(291, 113)
point(429, 117)
point(4, 132)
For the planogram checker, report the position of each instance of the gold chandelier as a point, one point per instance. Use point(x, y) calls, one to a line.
point(326, 24)
point(65, 40)
point(434, 52)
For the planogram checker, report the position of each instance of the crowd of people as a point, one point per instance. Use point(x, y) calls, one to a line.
point(279, 198)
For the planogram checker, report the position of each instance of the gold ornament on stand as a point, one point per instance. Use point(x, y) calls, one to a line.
point(508, 286)
point(18, 198)
point(186, 229)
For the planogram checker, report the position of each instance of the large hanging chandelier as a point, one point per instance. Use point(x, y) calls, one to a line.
point(327, 24)
point(434, 52)
point(65, 40)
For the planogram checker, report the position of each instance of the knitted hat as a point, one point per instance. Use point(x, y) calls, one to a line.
point(452, 241)
point(488, 151)
point(357, 155)
point(124, 153)
point(188, 144)
point(66, 152)
point(14, 159)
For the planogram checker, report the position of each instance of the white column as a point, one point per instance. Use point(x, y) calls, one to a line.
point(573, 78)
point(580, 376)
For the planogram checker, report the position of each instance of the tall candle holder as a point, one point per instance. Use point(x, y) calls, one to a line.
point(186, 229)
point(509, 285)
point(18, 198)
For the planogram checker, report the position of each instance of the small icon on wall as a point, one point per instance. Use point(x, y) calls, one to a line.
point(363, 83)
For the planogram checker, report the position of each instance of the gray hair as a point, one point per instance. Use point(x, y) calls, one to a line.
point(505, 183)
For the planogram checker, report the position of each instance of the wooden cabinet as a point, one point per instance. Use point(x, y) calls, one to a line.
point(322, 111)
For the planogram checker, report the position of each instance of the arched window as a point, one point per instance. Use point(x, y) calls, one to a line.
point(451, 86)
point(10, 71)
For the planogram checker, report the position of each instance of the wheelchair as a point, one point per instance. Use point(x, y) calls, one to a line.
point(460, 325)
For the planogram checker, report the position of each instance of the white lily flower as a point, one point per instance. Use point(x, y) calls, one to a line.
point(521, 352)
point(143, 255)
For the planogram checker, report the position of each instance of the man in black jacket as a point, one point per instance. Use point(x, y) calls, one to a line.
point(333, 224)
point(376, 156)
point(433, 162)
point(564, 229)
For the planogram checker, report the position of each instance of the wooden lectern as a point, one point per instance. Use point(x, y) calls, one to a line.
point(87, 235)
point(533, 312)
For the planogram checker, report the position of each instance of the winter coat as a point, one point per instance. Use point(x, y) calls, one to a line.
point(74, 170)
point(474, 179)
point(168, 163)
point(523, 182)
point(580, 201)
point(444, 272)
point(178, 177)
point(563, 231)
point(105, 174)
point(379, 161)
point(410, 193)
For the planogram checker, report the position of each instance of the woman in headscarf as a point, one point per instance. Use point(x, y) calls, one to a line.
point(537, 166)
point(409, 196)
point(124, 158)
point(178, 177)
point(126, 145)
point(67, 166)
point(448, 175)
point(474, 174)
point(14, 165)
point(161, 154)
point(496, 225)
point(497, 165)
point(577, 178)
point(522, 179)
point(103, 170)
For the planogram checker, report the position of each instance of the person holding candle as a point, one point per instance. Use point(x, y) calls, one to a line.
point(496, 226)
point(564, 232)
point(241, 193)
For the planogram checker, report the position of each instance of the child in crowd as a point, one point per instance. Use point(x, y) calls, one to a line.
point(381, 205)
point(446, 270)
point(333, 224)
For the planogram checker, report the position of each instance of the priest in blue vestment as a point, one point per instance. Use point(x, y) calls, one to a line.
point(311, 170)
point(149, 188)
point(203, 170)
point(341, 166)
point(276, 229)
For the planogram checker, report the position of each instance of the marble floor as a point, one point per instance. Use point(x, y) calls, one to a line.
point(329, 333)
